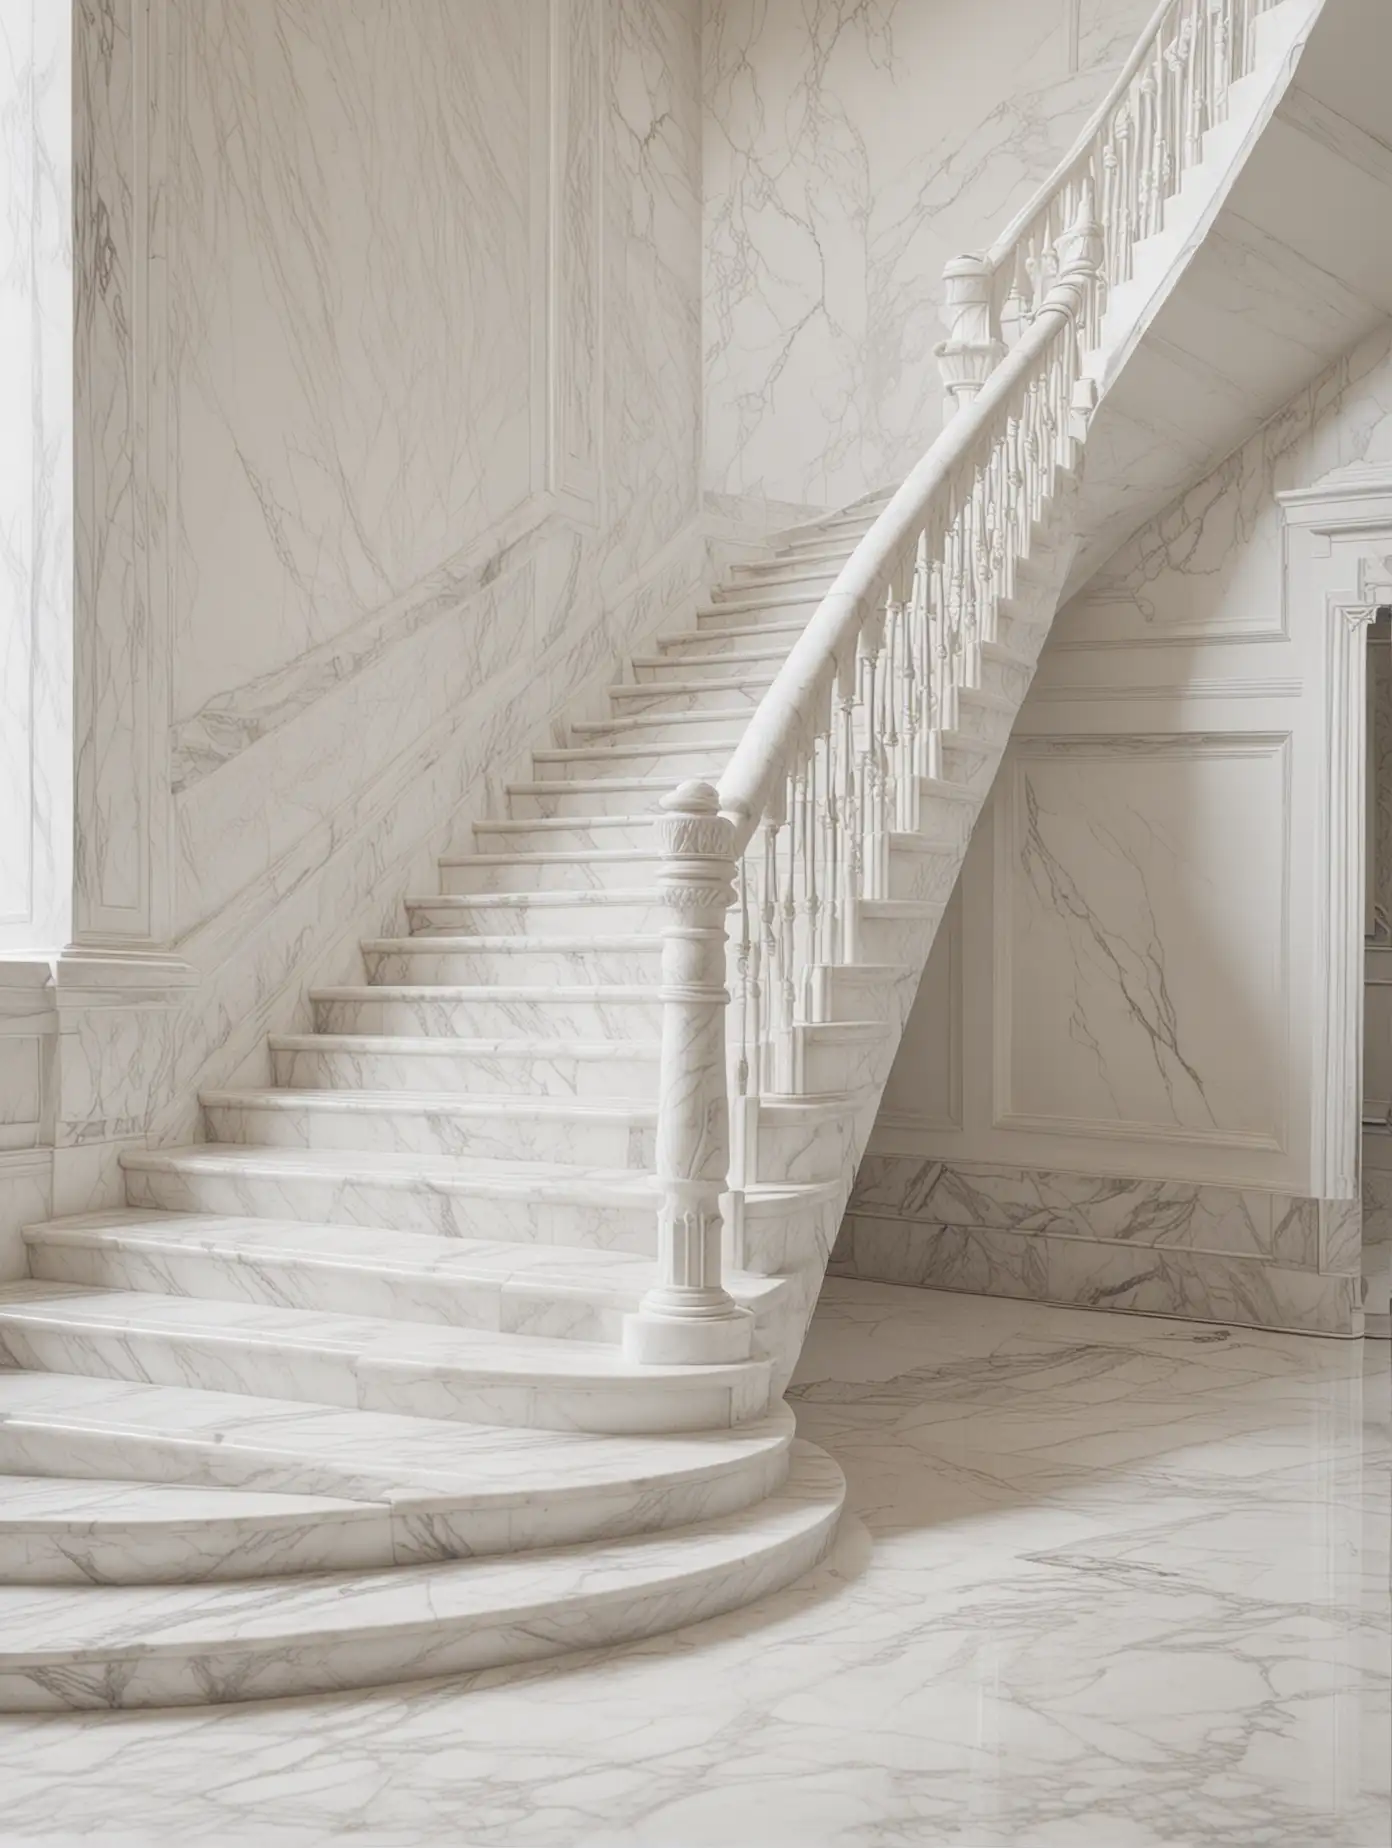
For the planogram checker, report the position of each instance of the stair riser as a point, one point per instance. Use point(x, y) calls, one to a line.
point(640, 832)
point(895, 940)
point(722, 652)
point(482, 1018)
point(704, 758)
point(508, 1135)
point(812, 1152)
point(923, 875)
point(992, 727)
point(507, 967)
point(829, 1064)
point(1005, 680)
point(809, 585)
point(413, 1207)
point(684, 664)
point(848, 994)
point(945, 819)
point(652, 697)
point(579, 803)
point(617, 1409)
point(521, 968)
point(970, 763)
point(419, 1389)
point(536, 874)
point(633, 1076)
point(1020, 625)
point(431, 1527)
point(587, 914)
point(204, 1550)
point(343, 1289)
point(752, 614)
point(427, 1646)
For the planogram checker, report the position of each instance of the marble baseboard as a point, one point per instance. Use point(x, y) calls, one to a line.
point(1193, 1217)
point(1052, 1268)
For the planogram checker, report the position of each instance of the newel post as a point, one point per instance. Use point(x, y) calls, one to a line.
point(688, 1316)
point(973, 348)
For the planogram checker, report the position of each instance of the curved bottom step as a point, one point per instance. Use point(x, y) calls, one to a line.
point(188, 1645)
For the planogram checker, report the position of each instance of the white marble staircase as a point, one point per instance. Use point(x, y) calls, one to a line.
point(341, 1395)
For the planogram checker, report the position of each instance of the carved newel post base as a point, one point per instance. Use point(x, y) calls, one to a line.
point(688, 1317)
point(973, 348)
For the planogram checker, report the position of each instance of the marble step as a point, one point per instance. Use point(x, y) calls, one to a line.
point(593, 1133)
point(675, 759)
point(519, 960)
point(568, 833)
point(983, 715)
point(57, 1530)
point(672, 724)
point(946, 810)
point(568, 1294)
point(1005, 673)
point(921, 866)
point(897, 930)
point(424, 1370)
point(589, 1012)
point(549, 869)
point(439, 1489)
point(754, 609)
point(969, 762)
point(572, 798)
point(603, 911)
point(821, 548)
point(806, 581)
point(828, 550)
point(141, 1646)
point(543, 1067)
point(515, 1202)
point(689, 648)
point(694, 660)
point(841, 1055)
point(689, 695)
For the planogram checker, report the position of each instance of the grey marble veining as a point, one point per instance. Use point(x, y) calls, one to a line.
point(1114, 1584)
point(850, 151)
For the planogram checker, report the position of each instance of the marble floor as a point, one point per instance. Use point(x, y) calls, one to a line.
point(1107, 1582)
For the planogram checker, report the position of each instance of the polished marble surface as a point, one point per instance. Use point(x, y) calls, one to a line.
point(1107, 1582)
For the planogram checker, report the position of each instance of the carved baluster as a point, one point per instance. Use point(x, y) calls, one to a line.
point(688, 1316)
point(772, 984)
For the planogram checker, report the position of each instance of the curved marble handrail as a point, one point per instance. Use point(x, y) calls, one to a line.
point(902, 663)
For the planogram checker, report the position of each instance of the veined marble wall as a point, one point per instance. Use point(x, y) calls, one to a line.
point(1114, 1088)
point(389, 393)
point(36, 333)
point(849, 152)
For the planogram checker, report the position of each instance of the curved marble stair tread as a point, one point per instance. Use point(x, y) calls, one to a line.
point(453, 1488)
point(143, 1646)
point(85, 1530)
point(546, 1203)
point(426, 1369)
point(288, 1486)
point(510, 1288)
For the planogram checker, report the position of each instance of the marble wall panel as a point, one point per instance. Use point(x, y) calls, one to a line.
point(36, 332)
point(849, 152)
point(391, 402)
point(1140, 903)
point(1142, 985)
